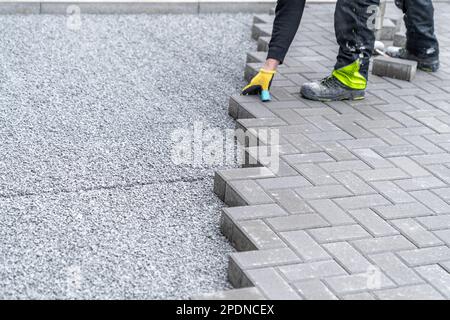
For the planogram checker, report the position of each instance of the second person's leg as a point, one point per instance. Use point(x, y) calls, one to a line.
point(422, 44)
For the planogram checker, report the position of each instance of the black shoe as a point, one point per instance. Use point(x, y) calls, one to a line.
point(425, 63)
point(330, 89)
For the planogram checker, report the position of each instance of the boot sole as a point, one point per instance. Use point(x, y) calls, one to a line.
point(351, 95)
point(428, 67)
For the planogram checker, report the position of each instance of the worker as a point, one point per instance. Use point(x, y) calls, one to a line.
point(355, 36)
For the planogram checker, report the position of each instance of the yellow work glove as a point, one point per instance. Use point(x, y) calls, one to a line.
point(260, 84)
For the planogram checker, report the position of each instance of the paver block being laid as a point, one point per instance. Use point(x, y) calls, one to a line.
point(394, 68)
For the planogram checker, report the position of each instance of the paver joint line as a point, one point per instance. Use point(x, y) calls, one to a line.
point(368, 215)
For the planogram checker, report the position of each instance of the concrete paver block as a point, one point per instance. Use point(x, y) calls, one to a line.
point(394, 68)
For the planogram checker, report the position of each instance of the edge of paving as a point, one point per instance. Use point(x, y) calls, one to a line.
point(240, 208)
point(137, 6)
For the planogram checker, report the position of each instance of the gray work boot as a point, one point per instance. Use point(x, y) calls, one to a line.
point(428, 63)
point(330, 89)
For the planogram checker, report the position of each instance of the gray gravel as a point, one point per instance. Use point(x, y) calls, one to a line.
point(90, 204)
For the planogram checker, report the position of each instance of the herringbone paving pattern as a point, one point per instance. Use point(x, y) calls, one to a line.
point(360, 205)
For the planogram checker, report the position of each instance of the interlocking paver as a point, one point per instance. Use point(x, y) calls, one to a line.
point(437, 276)
point(404, 210)
point(417, 257)
point(290, 201)
point(383, 244)
point(395, 269)
point(272, 285)
point(305, 246)
point(312, 270)
point(373, 223)
point(417, 292)
point(358, 282)
point(416, 233)
point(360, 205)
point(348, 257)
point(339, 233)
point(314, 290)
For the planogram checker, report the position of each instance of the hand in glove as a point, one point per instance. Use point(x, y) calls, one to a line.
point(260, 84)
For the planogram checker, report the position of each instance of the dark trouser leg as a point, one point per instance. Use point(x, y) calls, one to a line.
point(419, 21)
point(288, 15)
point(353, 23)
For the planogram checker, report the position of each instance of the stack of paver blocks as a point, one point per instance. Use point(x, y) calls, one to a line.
point(359, 207)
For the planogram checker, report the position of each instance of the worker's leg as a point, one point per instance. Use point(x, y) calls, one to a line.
point(354, 28)
point(288, 15)
point(421, 44)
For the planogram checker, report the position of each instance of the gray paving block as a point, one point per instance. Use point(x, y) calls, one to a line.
point(256, 56)
point(417, 292)
point(404, 210)
point(223, 176)
point(392, 192)
point(373, 223)
point(312, 270)
point(358, 283)
point(331, 212)
point(353, 183)
point(241, 261)
point(314, 290)
point(297, 222)
point(394, 68)
point(305, 246)
point(399, 39)
point(395, 269)
point(283, 182)
point(339, 233)
point(432, 201)
point(382, 174)
point(435, 222)
point(291, 201)
point(251, 293)
point(315, 174)
point(437, 277)
point(245, 192)
point(336, 150)
point(416, 233)
point(372, 158)
point(272, 285)
point(250, 235)
point(441, 171)
point(255, 212)
point(307, 158)
point(261, 30)
point(420, 183)
point(388, 30)
point(444, 235)
point(263, 44)
point(348, 257)
point(409, 166)
point(362, 201)
point(397, 151)
point(320, 192)
point(383, 244)
point(423, 256)
point(444, 193)
point(347, 165)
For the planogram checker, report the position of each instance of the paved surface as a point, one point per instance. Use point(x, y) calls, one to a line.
point(90, 204)
point(360, 208)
